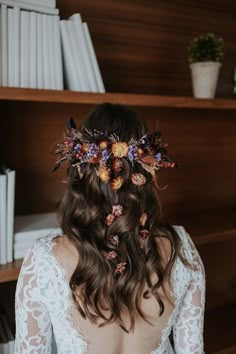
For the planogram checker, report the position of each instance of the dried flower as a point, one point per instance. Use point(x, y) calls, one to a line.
point(104, 173)
point(144, 233)
point(138, 179)
point(143, 219)
point(117, 210)
point(111, 255)
point(109, 219)
point(103, 144)
point(114, 240)
point(119, 149)
point(117, 182)
point(120, 267)
point(117, 165)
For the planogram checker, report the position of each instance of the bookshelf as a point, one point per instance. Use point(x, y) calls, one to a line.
point(143, 62)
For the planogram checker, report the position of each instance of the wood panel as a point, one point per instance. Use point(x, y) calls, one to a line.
point(141, 45)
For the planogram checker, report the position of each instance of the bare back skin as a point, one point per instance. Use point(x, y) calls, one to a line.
point(111, 339)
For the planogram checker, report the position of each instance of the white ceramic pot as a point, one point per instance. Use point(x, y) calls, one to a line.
point(204, 78)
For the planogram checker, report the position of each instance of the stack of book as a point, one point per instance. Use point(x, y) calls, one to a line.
point(38, 50)
point(29, 228)
point(7, 198)
point(7, 340)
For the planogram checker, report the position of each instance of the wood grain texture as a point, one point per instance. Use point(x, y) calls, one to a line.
point(144, 100)
point(141, 45)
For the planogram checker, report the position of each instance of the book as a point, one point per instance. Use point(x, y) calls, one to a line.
point(46, 63)
point(88, 79)
point(30, 7)
point(10, 203)
point(58, 53)
point(4, 52)
point(3, 218)
point(45, 3)
point(93, 59)
point(40, 78)
point(76, 57)
point(16, 46)
point(29, 228)
point(69, 64)
point(24, 49)
point(33, 50)
point(11, 47)
point(51, 58)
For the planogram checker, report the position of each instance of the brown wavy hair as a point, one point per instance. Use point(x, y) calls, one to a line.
point(86, 203)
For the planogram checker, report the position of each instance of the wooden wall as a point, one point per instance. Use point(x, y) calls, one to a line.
point(141, 45)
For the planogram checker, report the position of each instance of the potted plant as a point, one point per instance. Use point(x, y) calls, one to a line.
point(205, 55)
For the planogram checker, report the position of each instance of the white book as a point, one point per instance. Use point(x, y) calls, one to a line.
point(33, 50)
point(68, 60)
point(83, 55)
point(79, 72)
point(25, 49)
point(40, 78)
point(30, 7)
point(46, 63)
point(46, 3)
point(51, 53)
point(93, 59)
point(11, 47)
point(58, 53)
point(10, 203)
point(16, 40)
point(3, 218)
point(4, 49)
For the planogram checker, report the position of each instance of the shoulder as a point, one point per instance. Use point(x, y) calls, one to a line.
point(189, 249)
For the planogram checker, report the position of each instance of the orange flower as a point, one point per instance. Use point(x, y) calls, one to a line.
point(117, 182)
point(109, 219)
point(104, 174)
point(117, 165)
point(148, 159)
point(120, 267)
point(95, 158)
point(119, 149)
point(103, 144)
point(143, 219)
point(85, 147)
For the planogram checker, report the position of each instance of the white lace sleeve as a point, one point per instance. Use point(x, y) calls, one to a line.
point(33, 325)
point(188, 327)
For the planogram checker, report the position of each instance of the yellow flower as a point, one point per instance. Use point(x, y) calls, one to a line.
point(103, 144)
point(104, 174)
point(119, 149)
point(117, 182)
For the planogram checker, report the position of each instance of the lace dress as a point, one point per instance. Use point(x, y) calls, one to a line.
point(44, 309)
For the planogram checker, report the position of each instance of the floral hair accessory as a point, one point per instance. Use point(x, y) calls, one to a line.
point(111, 255)
point(107, 153)
point(114, 240)
point(143, 219)
point(116, 211)
point(120, 267)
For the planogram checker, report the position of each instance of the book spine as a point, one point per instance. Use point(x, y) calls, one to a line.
point(87, 71)
point(51, 52)
point(45, 3)
point(76, 59)
point(10, 213)
point(24, 49)
point(30, 7)
point(33, 50)
point(4, 40)
point(58, 53)
point(40, 78)
point(16, 40)
point(92, 56)
point(3, 219)
point(46, 63)
point(68, 60)
point(11, 67)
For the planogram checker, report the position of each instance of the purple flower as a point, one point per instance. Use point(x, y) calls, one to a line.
point(158, 156)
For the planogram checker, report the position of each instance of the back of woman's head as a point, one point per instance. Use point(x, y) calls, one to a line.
point(118, 252)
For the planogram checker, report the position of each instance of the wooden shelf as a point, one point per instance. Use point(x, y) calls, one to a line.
point(50, 96)
point(218, 226)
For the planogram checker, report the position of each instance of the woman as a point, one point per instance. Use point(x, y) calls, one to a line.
point(119, 280)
